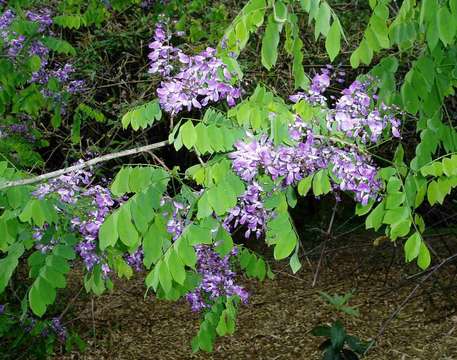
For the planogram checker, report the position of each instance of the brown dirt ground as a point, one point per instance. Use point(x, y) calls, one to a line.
point(281, 313)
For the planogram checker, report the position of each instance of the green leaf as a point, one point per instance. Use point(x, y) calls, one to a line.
point(127, 232)
point(120, 184)
point(285, 245)
point(374, 220)
point(152, 245)
point(435, 194)
point(186, 252)
point(176, 267)
point(203, 144)
point(355, 59)
point(447, 25)
point(393, 216)
point(142, 116)
point(453, 6)
point(434, 169)
point(333, 41)
point(450, 165)
point(294, 263)
point(204, 207)
point(54, 277)
point(321, 183)
point(196, 234)
point(64, 251)
point(304, 185)
point(261, 269)
point(395, 199)
point(37, 304)
point(224, 242)
point(356, 344)
point(428, 10)
point(322, 25)
point(361, 210)
point(300, 78)
point(270, 41)
point(58, 45)
point(221, 328)
point(280, 11)
point(69, 21)
point(337, 335)
point(139, 179)
point(412, 246)
point(108, 233)
point(423, 260)
point(164, 276)
point(400, 228)
point(34, 63)
point(9, 264)
point(321, 330)
point(188, 134)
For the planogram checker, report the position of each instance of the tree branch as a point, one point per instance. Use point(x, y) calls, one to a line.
point(82, 165)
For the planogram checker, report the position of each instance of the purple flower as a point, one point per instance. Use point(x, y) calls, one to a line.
point(106, 270)
point(44, 247)
point(353, 171)
point(319, 85)
point(59, 329)
point(63, 74)
point(355, 116)
point(197, 81)
point(250, 155)
point(2, 309)
point(217, 279)
point(66, 186)
point(135, 260)
point(15, 46)
point(42, 16)
point(147, 4)
point(76, 86)
point(72, 188)
point(6, 19)
point(249, 213)
point(176, 223)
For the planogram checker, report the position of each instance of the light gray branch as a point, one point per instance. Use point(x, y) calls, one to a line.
point(82, 165)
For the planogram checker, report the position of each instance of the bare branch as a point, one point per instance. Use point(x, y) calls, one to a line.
point(82, 165)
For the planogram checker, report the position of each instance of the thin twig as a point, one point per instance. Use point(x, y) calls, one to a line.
point(327, 237)
point(83, 165)
point(407, 299)
point(70, 303)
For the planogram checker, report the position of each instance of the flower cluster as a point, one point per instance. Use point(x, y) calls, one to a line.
point(250, 213)
point(43, 246)
point(319, 84)
point(147, 4)
point(355, 117)
point(68, 186)
point(59, 329)
point(190, 81)
point(102, 203)
point(17, 45)
point(6, 20)
point(72, 188)
point(352, 169)
point(21, 130)
point(355, 171)
point(135, 260)
point(2, 309)
point(176, 222)
point(217, 278)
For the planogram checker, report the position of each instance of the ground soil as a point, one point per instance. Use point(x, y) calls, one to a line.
point(277, 321)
